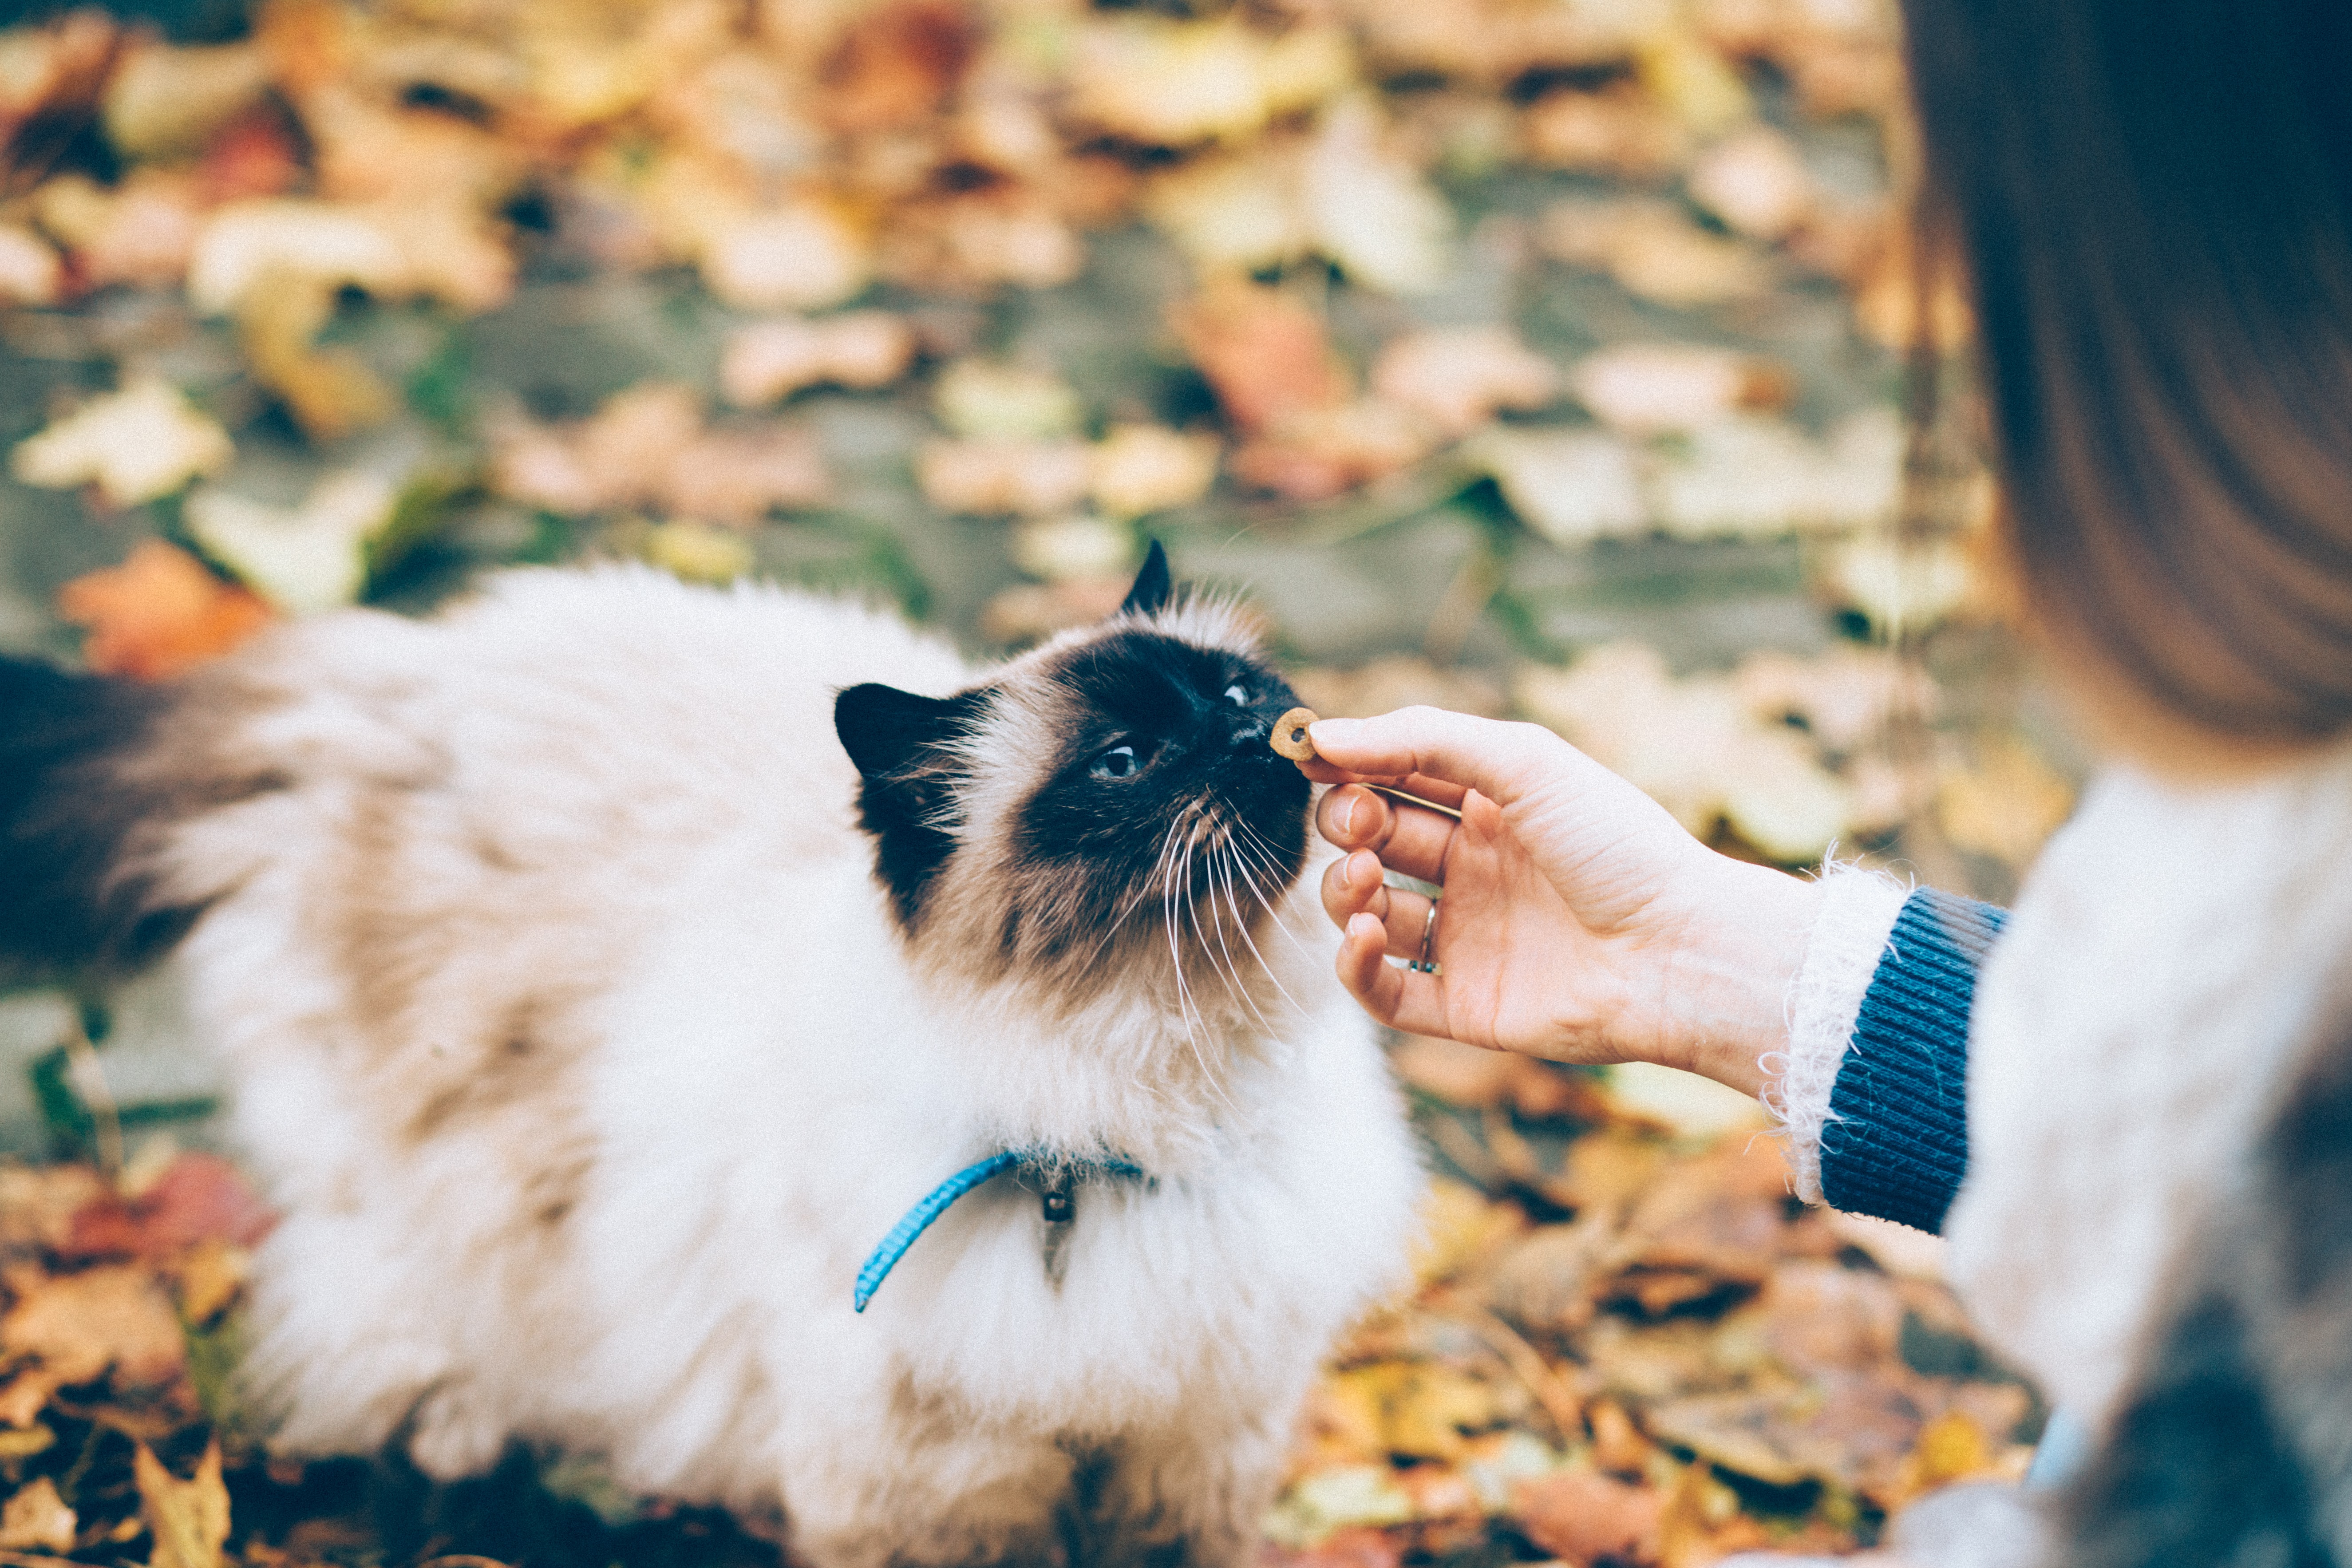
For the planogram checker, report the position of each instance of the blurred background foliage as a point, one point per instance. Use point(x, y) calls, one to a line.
point(1568, 359)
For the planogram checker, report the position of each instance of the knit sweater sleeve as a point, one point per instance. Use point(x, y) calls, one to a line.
point(1871, 1092)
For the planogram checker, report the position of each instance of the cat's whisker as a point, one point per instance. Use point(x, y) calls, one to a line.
point(1222, 865)
point(1233, 900)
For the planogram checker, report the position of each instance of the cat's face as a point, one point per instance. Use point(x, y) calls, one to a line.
point(1109, 797)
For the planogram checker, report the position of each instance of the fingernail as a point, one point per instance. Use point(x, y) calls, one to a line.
point(1347, 815)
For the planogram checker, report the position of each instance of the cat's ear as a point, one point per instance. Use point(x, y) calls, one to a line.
point(1153, 584)
point(890, 733)
point(903, 746)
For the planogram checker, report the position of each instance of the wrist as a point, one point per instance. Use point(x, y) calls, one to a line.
point(1724, 985)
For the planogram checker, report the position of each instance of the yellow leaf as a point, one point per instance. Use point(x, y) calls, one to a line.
point(2006, 805)
point(189, 1520)
point(37, 1518)
point(136, 445)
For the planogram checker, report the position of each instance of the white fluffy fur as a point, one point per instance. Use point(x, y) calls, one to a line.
point(625, 797)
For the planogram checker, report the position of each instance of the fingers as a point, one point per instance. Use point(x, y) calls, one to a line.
point(1501, 761)
point(1352, 887)
point(1405, 836)
point(1400, 998)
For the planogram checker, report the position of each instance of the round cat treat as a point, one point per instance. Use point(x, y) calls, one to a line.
point(1290, 737)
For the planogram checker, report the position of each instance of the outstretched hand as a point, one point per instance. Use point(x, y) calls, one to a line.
point(1579, 920)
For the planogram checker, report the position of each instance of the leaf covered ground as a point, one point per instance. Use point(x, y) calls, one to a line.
point(1566, 359)
point(1626, 1345)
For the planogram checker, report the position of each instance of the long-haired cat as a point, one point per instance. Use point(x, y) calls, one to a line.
point(594, 1013)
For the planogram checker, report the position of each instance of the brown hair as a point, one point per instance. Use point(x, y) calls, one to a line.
point(2153, 202)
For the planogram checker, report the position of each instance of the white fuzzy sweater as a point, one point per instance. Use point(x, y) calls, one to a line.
point(2173, 946)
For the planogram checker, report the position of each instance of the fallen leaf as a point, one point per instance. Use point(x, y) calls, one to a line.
point(1584, 1516)
point(1369, 210)
point(136, 445)
point(1459, 378)
point(1652, 249)
point(1264, 352)
point(36, 1519)
point(1756, 183)
point(188, 1520)
point(1030, 612)
point(1620, 131)
point(38, 1203)
point(1571, 485)
point(306, 558)
point(158, 614)
point(1001, 476)
point(801, 255)
point(2006, 805)
point(1142, 468)
point(1645, 389)
point(1072, 548)
point(162, 99)
point(78, 1325)
point(768, 361)
point(987, 399)
point(30, 272)
point(1169, 83)
point(195, 1199)
point(697, 552)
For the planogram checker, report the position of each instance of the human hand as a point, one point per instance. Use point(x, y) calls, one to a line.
point(1579, 921)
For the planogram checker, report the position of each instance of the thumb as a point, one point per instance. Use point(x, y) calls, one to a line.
point(1504, 763)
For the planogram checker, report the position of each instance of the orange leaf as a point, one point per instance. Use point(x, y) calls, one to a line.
point(159, 614)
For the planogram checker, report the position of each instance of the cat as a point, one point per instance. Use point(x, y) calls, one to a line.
point(605, 967)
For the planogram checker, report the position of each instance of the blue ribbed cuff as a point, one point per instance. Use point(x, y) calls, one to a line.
point(1897, 1144)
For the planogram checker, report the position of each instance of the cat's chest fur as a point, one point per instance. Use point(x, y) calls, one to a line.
point(588, 1058)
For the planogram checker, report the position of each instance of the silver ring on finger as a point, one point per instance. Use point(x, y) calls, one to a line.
point(1423, 965)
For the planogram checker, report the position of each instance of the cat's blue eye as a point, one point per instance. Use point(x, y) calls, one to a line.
point(1236, 696)
point(1119, 762)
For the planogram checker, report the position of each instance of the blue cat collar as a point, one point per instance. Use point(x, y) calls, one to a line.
point(917, 1220)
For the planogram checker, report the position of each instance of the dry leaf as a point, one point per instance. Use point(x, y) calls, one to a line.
point(768, 361)
point(1647, 389)
point(1756, 183)
point(193, 1200)
point(1458, 378)
point(135, 445)
point(158, 614)
point(987, 398)
point(1900, 586)
point(1369, 210)
point(1654, 251)
point(161, 99)
point(1080, 549)
point(1571, 485)
point(78, 1325)
point(1264, 352)
point(37, 1519)
point(30, 272)
point(2007, 805)
point(1030, 612)
point(799, 256)
point(998, 477)
point(187, 1520)
point(697, 552)
point(1321, 453)
point(38, 1203)
point(305, 558)
point(1171, 83)
point(1582, 1516)
point(1620, 131)
point(1140, 469)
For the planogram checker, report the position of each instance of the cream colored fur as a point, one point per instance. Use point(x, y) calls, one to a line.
point(571, 1034)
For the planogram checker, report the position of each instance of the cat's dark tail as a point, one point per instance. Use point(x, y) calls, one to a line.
point(81, 800)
